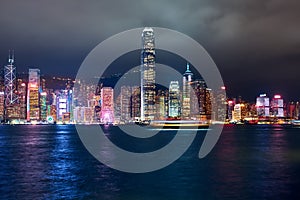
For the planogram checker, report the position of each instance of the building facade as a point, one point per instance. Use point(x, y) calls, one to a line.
point(148, 75)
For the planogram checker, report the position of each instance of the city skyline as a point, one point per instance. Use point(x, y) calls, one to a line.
point(191, 100)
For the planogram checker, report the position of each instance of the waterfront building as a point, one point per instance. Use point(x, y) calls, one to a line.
point(277, 106)
point(208, 103)
point(83, 115)
point(11, 107)
point(63, 104)
point(136, 103)
point(161, 105)
point(230, 109)
point(198, 100)
point(220, 101)
point(186, 93)
point(174, 99)
point(21, 92)
point(237, 113)
point(125, 100)
point(33, 95)
point(43, 106)
point(1, 106)
point(117, 109)
point(107, 105)
point(148, 75)
point(263, 106)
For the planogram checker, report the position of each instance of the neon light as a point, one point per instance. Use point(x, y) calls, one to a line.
point(277, 97)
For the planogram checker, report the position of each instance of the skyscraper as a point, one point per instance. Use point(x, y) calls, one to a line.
point(125, 103)
point(174, 99)
point(263, 106)
point(107, 105)
point(33, 97)
point(11, 99)
point(1, 106)
point(21, 88)
point(43, 106)
point(63, 105)
point(148, 75)
point(198, 100)
point(136, 102)
point(277, 106)
point(186, 93)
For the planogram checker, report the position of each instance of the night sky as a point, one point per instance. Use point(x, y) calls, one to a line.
point(255, 43)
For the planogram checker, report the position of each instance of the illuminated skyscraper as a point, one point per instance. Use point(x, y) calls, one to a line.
point(186, 93)
point(277, 106)
point(162, 105)
point(107, 105)
point(10, 82)
point(220, 102)
point(43, 106)
point(174, 99)
point(148, 75)
point(21, 88)
point(198, 100)
point(125, 103)
point(1, 106)
point(11, 98)
point(63, 105)
point(136, 102)
point(33, 97)
point(263, 106)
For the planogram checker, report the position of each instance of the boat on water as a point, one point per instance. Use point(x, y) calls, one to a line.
point(296, 123)
point(179, 124)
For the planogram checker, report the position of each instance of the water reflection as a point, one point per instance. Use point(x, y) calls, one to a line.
point(248, 162)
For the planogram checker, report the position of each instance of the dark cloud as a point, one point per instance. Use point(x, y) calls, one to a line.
point(255, 43)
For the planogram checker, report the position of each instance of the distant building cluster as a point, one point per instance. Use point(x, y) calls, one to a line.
point(29, 100)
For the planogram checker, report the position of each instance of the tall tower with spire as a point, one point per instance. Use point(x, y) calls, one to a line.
point(148, 110)
point(11, 97)
point(186, 93)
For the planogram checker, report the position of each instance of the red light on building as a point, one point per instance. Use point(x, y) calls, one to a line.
point(277, 97)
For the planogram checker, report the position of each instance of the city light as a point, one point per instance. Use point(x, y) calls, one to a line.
point(277, 96)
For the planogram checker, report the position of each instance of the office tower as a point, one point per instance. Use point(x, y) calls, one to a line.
point(148, 75)
point(107, 105)
point(21, 92)
point(277, 106)
point(43, 84)
point(221, 104)
point(63, 105)
point(208, 103)
point(33, 95)
point(136, 103)
point(263, 106)
point(186, 93)
point(162, 105)
point(125, 104)
point(237, 113)
point(174, 99)
point(43, 106)
point(1, 106)
point(117, 109)
point(198, 100)
point(230, 109)
point(11, 98)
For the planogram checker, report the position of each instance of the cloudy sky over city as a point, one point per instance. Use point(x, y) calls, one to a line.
point(255, 43)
